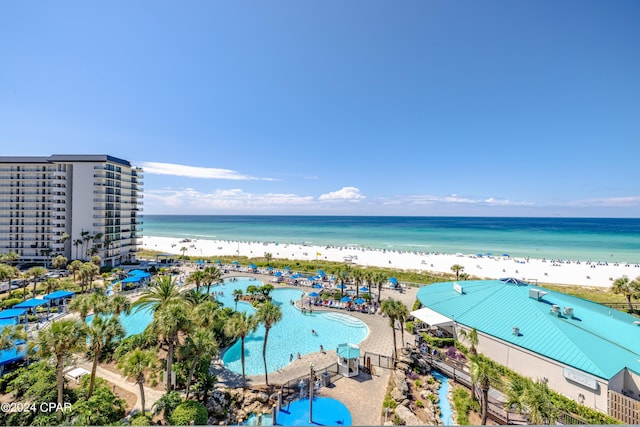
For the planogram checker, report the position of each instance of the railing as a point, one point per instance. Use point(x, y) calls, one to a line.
point(291, 388)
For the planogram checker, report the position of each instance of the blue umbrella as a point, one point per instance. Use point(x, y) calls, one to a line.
point(252, 265)
point(321, 273)
point(505, 255)
point(269, 268)
point(295, 276)
point(345, 299)
point(287, 268)
point(479, 255)
point(236, 262)
point(314, 294)
point(359, 301)
point(317, 286)
point(218, 261)
point(278, 274)
point(393, 280)
point(341, 287)
point(364, 289)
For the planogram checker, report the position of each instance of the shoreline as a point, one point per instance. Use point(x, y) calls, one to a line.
point(533, 270)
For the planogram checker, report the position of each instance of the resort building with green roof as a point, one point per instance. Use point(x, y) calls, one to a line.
point(585, 351)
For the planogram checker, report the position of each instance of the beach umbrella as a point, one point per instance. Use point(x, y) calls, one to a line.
point(314, 294)
point(364, 289)
point(505, 255)
point(479, 255)
point(341, 287)
point(295, 276)
point(287, 268)
point(316, 285)
point(321, 273)
point(278, 274)
point(345, 299)
point(269, 268)
point(236, 263)
point(252, 265)
point(218, 261)
point(359, 300)
point(393, 280)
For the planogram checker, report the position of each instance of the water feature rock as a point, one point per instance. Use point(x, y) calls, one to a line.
point(262, 397)
point(408, 417)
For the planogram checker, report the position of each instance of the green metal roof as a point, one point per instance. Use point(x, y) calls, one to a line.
point(348, 351)
point(595, 339)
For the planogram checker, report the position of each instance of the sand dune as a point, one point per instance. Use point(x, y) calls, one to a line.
point(567, 272)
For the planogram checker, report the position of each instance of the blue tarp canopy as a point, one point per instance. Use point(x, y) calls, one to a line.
point(12, 313)
point(132, 279)
point(14, 354)
point(59, 294)
point(31, 303)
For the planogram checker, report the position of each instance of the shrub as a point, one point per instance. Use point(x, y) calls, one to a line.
point(141, 420)
point(10, 302)
point(462, 405)
point(190, 411)
point(419, 404)
point(418, 383)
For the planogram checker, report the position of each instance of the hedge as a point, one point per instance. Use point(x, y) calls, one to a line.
point(189, 411)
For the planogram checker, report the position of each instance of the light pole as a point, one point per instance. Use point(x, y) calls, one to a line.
point(311, 376)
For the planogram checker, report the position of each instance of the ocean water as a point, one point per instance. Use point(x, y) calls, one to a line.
point(595, 239)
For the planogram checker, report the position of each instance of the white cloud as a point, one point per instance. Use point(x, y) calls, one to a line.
point(628, 201)
point(157, 168)
point(346, 193)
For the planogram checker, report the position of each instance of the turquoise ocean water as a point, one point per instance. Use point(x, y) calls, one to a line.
point(596, 239)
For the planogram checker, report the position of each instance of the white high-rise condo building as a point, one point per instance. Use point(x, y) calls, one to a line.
point(72, 205)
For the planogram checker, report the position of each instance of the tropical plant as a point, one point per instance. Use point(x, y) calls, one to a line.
point(268, 256)
point(60, 340)
point(483, 374)
point(88, 271)
point(102, 407)
point(212, 275)
point(237, 296)
point(197, 278)
point(167, 404)
point(102, 332)
point(168, 322)
point(161, 293)
point(268, 314)
point(189, 412)
point(35, 274)
point(389, 308)
point(74, 268)
point(457, 269)
point(59, 262)
point(472, 336)
point(627, 288)
point(197, 346)
point(531, 398)
point(239, 326)
point(136, 365)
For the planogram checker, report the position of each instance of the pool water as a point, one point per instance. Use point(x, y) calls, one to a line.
point(266, 420)
point(291, 335)
point(446, 414)
point(134, 322)
point(326, 412)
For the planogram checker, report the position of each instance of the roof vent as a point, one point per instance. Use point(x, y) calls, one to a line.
point(568, 311)
point(537, 293)
point(516, 331)
point(555, 309)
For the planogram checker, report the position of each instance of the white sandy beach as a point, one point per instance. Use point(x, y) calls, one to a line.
point(598, 274)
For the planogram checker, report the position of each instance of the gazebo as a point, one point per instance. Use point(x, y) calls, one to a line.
point(348, 359)
point(11, 316)
point(32, 304)
point(12, 355)
point(59, 298)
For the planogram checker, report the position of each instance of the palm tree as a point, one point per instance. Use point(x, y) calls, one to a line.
point(102, 332)
point(194, 298)
point(402, 313)
point(60, 340)
point(120, 304)
point(196, 277)
point(9, 258)
point(472, 336)
point(201, 344)
point(268, 314)
point(88, 272)
point(74, 267)
point(457, 268)
point(268, 257)
point(77, 243)
point(157, 296)
point(183, 250)
point(136, 365)
point(239, 326)
point(378, 279)
point(36, 273)
point(59, 262)
point(51, 284)
point(358, 279)
point(627, 288)
point(531, 398)
point(482, 373)
point(212, 275)
point(168, 322)
point(237, 296)
point(9, 335)
point(389, 308)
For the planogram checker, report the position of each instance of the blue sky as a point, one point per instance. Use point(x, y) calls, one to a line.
point(498, 108)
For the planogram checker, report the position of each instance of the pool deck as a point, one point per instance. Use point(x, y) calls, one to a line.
point(350, 391)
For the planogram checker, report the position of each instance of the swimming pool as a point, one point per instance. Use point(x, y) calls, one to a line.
point(133, 323)
point(290, 336)
point(326, 412)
